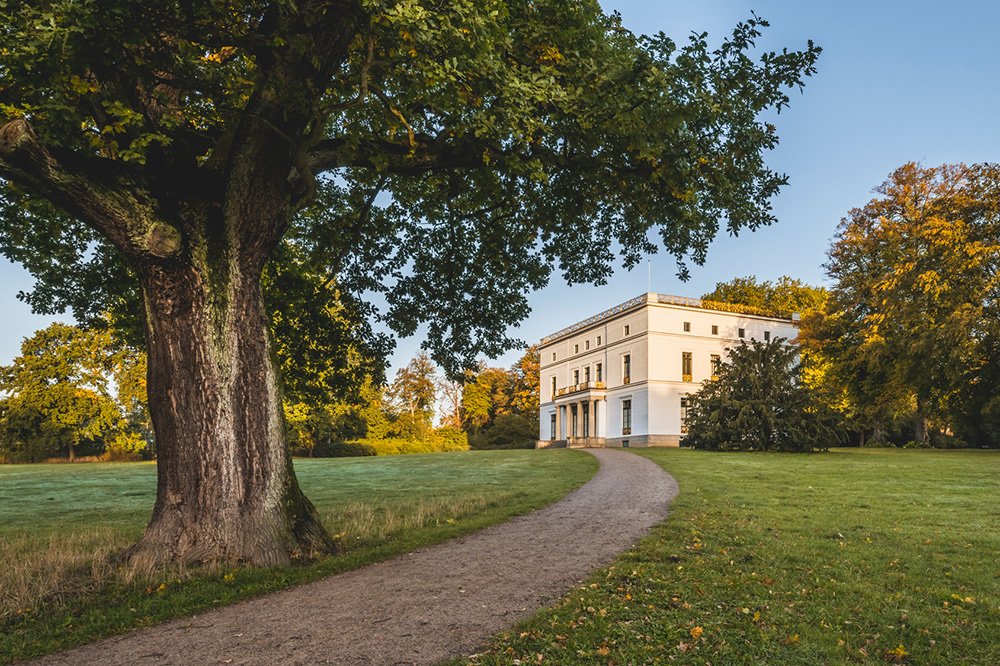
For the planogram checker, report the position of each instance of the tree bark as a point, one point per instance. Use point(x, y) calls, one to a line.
point(878, 434)
point(921, 434)
point(226, 489)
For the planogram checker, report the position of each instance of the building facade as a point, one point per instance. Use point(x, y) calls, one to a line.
point(622, 377)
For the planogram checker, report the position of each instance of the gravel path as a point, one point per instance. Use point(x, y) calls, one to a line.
point(443, 601)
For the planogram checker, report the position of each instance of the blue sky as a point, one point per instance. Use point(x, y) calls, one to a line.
point(898, 81)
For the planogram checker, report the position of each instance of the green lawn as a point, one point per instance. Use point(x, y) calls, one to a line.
point(855, 556)
point(61, 527)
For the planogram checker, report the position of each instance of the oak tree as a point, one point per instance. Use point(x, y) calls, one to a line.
point(440, 156)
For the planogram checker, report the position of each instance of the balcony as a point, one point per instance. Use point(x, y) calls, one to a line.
point(686, 378)
point(582, 386)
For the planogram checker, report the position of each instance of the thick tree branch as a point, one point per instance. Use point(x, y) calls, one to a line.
point(426, 154)
point(92, 189)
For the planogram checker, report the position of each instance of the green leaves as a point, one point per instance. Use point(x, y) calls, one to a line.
point(482, 145)
point(758, 403)
point(913, 309)
point(57, 395)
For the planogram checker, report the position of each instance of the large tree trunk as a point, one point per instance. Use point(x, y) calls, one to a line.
point(921, 434)
point(878, 433)
point(226, 490)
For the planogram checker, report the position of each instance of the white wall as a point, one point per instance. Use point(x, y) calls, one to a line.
point(640, 410)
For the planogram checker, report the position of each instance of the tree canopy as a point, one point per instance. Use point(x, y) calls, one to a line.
point(476, 143)
point(71, 388)
point(913, 312)
point(786, 295)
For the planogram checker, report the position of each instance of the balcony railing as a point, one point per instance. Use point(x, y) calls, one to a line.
point(626, 431)
point(686, 378)
point(582, 386)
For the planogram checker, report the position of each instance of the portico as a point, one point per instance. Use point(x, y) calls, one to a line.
point(580, 415)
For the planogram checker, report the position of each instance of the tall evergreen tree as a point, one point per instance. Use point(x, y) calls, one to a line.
point(758, 403)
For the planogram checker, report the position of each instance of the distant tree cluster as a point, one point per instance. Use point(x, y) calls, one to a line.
point(378, 420)
point(422, 411)
point(786, 295)
point(74, 392)
point(904, 347)
point(500, 406)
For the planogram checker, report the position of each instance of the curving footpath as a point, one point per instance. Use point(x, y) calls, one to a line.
point(438, 602)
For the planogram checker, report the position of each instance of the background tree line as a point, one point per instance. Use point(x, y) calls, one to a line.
point(903, 348)
point(77, 393)
point(422, 411)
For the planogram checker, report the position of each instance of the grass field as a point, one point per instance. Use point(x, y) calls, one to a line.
point(62, 525)
point(861, 556)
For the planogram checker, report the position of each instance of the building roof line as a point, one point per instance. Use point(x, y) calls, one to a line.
point(668, 299)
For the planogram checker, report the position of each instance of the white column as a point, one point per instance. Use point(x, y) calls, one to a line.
point(602, 406)
point(592, 406)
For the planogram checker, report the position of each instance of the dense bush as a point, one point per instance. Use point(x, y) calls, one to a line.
point(509, 431)
point(432, 441)
point(348, 450)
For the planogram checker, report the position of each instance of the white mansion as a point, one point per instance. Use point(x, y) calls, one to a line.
point(622, 377)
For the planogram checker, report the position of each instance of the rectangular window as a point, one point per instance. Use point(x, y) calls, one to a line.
point(686, 366)
point(587, 345)
point(626, 329)
point(600, 378)
point(685, 403)
point(598, 341)
point(576, 349)
point(576, 376)
point(626, 417)
point(553, 356)
point(767, 336)
point(586, 374)
point(715, 329)
point(552, 427)
point(687, 327)
point(716, 364)
point(586, 419)
point(743, 332)
point(553, 388)
point(572, 418)
point(624, 443)
point(626, 368)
